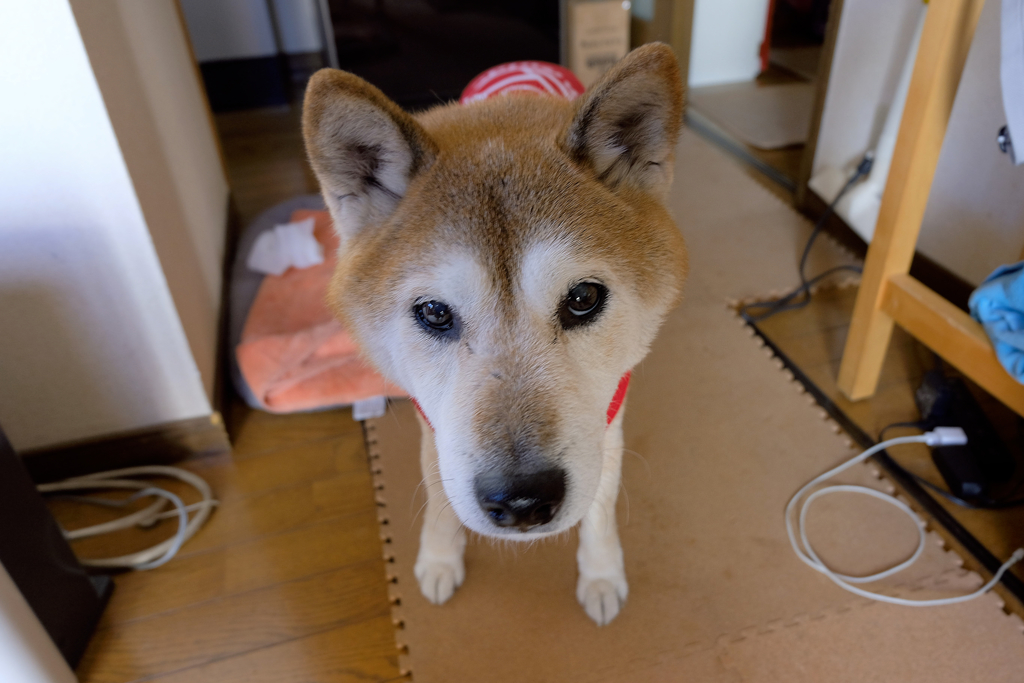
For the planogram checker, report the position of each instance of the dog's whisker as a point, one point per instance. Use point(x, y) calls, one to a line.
point(427, 502)
point(625, 494)
point(425, 485)
point(641, 458)
point(441, 511)
point(415, 492)
point(608, 518)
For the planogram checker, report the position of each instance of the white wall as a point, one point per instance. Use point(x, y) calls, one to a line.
point(177, 103)
point(90, 342)
point(726, 43)
point(27, 655)
point(139, 54)
point(229, 29)
point(975, 215)
point(874, 36)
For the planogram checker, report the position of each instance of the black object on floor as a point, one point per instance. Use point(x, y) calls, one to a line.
point(969, 470)
point(66, 599)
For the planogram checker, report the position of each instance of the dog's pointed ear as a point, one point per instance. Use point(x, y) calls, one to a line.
point(627, 124)
point(363, 148)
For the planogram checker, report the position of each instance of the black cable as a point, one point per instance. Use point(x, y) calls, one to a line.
point(982, 504)
point(786, 303)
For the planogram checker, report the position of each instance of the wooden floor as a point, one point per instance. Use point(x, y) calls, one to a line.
point(285, 583)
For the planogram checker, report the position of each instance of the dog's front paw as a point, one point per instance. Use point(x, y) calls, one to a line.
point(439, 578)
point(602, 598)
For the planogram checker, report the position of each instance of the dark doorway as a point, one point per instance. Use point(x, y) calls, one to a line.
point(423, 52)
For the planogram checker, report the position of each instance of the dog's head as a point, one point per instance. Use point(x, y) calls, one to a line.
point(506, 262)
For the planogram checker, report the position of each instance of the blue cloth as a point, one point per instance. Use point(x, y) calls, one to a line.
point(998, 304)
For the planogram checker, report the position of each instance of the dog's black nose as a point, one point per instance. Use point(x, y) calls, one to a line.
point(521, 500)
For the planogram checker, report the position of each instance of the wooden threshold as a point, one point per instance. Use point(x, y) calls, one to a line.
point(157, 445)
point(952, 334)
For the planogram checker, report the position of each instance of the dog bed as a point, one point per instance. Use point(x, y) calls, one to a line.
point(718, 439)
point(290, 354)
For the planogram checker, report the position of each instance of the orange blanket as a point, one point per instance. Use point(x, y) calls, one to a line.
point(293, 353)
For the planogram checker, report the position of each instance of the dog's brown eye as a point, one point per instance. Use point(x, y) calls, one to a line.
point(435, 316)
point(582, 304)
point(583, 297)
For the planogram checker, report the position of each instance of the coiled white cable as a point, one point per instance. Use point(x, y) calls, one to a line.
point(118, 479)
point(941, 436)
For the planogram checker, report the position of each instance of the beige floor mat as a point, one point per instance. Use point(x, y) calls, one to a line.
point(723, 439)
point(764, 116)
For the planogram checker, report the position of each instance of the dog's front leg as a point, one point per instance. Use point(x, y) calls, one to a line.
point(439, 566)
point(602, 586)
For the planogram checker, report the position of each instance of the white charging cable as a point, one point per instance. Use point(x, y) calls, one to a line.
point(941, 436)
point(119, 479)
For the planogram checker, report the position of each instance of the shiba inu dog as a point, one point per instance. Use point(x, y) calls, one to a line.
point(508, 262)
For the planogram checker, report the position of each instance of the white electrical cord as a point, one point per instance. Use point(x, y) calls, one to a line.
point(941, 436)
point(116, 479)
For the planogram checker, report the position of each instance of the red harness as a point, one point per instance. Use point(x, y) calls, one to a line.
point(613, 407)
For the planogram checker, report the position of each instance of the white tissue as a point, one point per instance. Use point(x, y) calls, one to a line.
point(291, 245)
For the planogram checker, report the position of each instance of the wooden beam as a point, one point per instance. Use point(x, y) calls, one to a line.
point(952, 334)
point(945, 42)
point(821, 82)
point(682, 37)
point(161, 444)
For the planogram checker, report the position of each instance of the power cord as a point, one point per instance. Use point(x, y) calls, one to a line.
point(940, 436)
point(121, 479)
point(801, 296)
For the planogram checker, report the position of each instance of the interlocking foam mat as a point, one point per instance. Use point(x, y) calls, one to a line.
point(723, 438)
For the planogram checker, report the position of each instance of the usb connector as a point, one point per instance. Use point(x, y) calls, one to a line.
point(946, 436)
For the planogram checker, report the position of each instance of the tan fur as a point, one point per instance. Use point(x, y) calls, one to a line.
point(486, 190)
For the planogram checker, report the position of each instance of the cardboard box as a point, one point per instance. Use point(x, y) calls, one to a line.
point(598, 35)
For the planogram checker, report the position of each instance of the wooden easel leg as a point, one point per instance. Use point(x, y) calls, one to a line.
point(945, 42)
point(870, 330)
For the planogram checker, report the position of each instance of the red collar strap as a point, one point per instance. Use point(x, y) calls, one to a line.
point(619, 397)
point(613, 407)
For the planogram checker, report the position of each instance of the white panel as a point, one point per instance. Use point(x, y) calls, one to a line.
point(90, 342)
point(975, 216)
point(874, 37)
point(726, 43)
point(26, 651)
point(229, 29)
point(177, 102)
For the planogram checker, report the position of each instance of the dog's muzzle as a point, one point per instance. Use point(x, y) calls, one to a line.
point(524, 501)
